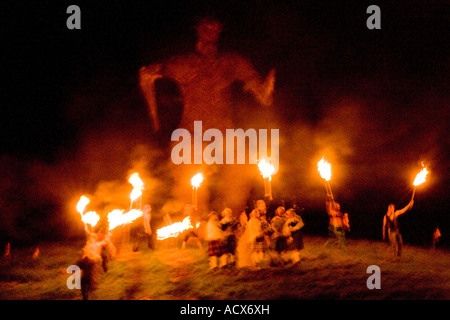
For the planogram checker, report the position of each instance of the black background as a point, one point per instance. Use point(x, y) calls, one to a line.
point(64, 87)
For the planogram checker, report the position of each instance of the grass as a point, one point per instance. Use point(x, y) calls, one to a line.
point(169, 273)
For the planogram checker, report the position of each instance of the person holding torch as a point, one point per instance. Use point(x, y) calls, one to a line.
point(390, 220)
point(336, 223)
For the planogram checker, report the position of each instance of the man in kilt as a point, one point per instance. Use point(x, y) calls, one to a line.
point(293, 229)
point(229, 225)
point(280, 239)
point(258, 245)
point(216, 240)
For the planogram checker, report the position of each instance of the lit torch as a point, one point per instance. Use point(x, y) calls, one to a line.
point(175, 229)
point(195, 182)
point(118, 218)
point(138, 186)
point(90, 217)
point(420, 178)
point(325, 172)
point(82, 203)
point(267, 171)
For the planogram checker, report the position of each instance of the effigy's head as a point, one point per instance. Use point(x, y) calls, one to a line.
point(208, 30)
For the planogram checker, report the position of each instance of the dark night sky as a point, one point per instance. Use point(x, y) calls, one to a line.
point(64, 85)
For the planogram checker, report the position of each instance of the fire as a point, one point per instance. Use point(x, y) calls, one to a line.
point(137, 184)
point(324, 169)
point(117, 217)
point(421, 177)
point(197, 180)
point(82, 203)
point(266, 168)
point(175, 229)
point(91, 218)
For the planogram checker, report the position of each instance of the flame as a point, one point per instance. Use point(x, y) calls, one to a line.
point(91, 218)
point(173, 230)
point(421, 176)
point(197, 180)
point(137, 184)
point(266, 168)
point(117, 217)
point(82, 203)
point(324, 169)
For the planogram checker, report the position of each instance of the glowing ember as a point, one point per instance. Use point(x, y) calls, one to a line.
point(117, 217)
point(175, 229)
point(197, 180)
point(82, 203)
point(266, 169)
point(137, 184)
point(421, 177)
point(91, 218)
point(324, 169)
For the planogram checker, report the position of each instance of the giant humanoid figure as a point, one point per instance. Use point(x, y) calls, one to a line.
point(204, 78)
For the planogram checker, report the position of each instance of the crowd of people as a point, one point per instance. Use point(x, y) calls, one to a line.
point(254, 240)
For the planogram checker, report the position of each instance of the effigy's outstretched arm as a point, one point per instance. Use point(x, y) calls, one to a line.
point(262, 90)
point(265, 93)
point(147, 77)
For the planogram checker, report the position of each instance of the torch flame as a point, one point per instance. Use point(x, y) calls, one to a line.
point(137, 184)
point(117, 217)
point(82, 203)
point(197, 180)
point(266, 168)
point(175, 229)
point(91, 218)
point(421, 176)
point(324, 169)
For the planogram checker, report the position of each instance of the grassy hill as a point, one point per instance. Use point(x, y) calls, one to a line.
point(169, 273)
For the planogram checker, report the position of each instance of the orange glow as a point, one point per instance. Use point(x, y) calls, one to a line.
point(197, 180)
point(91, 218)
point(138, 186)
point(266, 169)
point(421, 176)
point(117, 217)
point(82, 203)
point(324, 169)
point(175, 229)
